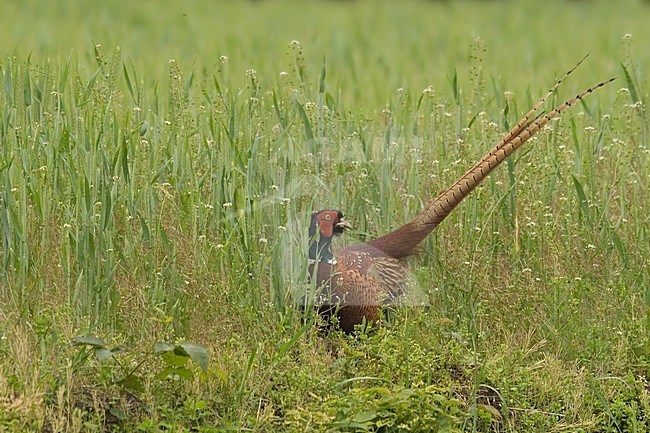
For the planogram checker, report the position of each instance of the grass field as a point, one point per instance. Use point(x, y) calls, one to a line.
point(159, 162)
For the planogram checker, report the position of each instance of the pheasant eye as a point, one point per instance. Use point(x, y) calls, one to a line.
point(328, 217)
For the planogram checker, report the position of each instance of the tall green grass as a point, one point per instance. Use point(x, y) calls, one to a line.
point(158, 167)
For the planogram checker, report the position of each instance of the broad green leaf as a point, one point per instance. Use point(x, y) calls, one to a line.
point(102, 354)
point(161, 346)
point(184, 373)
point(198, 353)
point(89, 341)
point(175, 358)
point(165, 373)
point(170, 371)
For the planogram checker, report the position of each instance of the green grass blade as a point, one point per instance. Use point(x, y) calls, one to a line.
point(582, 200)
point(630, 85)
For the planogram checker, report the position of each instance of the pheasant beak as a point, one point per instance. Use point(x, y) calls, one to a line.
point(343, 224)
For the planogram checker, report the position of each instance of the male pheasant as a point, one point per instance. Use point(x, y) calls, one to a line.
point(356, 281)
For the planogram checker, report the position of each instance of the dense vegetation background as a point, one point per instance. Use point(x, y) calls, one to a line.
point(159, 161)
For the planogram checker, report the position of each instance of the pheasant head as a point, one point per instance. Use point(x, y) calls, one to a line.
point(325, 224)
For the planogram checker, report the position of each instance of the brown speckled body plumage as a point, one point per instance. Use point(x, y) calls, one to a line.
point(362, 279)
point(356, 281)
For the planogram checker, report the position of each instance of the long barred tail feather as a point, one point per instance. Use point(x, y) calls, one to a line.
point(521, 125)
point(449, 199)
point(404, 241)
